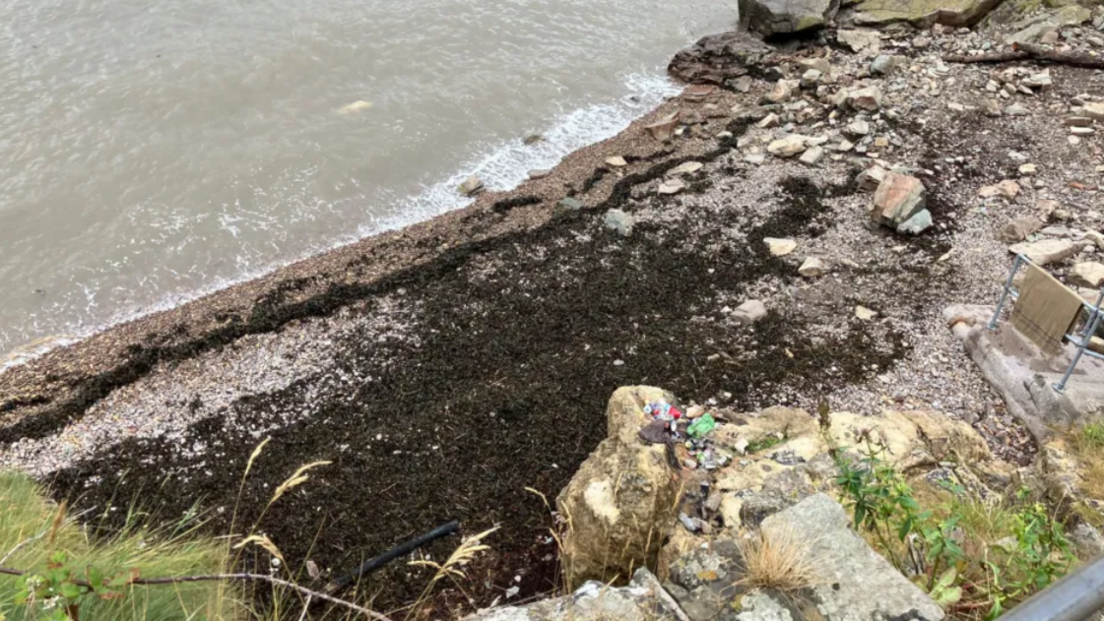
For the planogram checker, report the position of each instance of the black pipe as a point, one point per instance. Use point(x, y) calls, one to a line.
point(375, 563)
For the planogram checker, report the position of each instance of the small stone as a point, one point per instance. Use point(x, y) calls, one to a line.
point(1096, 238)
point(864, 313)
point(992, 86)
point(1046, 251)
point(1093, 110)
point(619, 221)
point(869, 98)
point(917, 224)
point(812, 155)
point(1049, 37)
point(845, 145)
point(755, 158)
point(884, 64)
point(769, 121)
point(1018, 230)
point(783, 91)
point(813, 267)
point(1028, 169)
point(859, 40)
point(1039, 80)
point(858, 127)
point(1016, 110)
point(539, 173)
point(532, 139)
point(749, 312)
point(672, 186)
point(570, 204)
point(869, 179)
point(1082, 131)
point(664, 128)
point(897, 199)
point(1088, 274)
point(471, 186)
point(810, 78)
point(990, 107)
point(787, 147)
point(685, 168)
point(780, 247)
point(1007, 188)
point(1078, 121)
point(881, 142)
point(616, 161)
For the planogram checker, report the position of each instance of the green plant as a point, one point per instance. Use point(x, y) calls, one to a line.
point(1033, 551)
point(764, 443)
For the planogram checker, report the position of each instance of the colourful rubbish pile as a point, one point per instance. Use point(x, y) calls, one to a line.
point(671, 425)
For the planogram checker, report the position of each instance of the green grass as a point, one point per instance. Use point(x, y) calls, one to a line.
point(26, 513)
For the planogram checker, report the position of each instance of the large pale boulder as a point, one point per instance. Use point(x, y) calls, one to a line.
point(782, 17)
point(622, 502)
point(922, 13)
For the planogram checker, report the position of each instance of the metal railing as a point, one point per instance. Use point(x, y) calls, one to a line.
point(1080, 340)
point(1077, 597)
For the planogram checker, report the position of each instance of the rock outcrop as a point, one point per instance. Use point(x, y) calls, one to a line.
point(715, 59)
point(622, 502)
point(782, 17)
point(922, 13)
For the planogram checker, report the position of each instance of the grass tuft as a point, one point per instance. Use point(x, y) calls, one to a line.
point(32, 528)
point(778, 558)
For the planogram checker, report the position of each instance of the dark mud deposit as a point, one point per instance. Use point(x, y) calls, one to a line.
point(504, 388)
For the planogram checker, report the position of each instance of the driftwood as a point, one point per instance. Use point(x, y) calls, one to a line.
point(1027, 51)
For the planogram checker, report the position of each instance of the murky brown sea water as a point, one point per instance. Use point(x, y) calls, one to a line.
point(154, 151)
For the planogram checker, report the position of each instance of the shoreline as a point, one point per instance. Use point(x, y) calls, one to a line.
point(447, 367)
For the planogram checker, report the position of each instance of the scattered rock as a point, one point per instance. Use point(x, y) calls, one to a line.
point(471, 186)
point(990, 107)
point(773, 17)
point(897, 199)
point(869, 98)
point(685, 168)
point(787, 147)
point(783, 91)
point(858, 127)
point(1087, 540)
point(539, 173)
point(664, 128)
point(616, 161)
point(917, 224)
point(865, 313)
point(1088, 274)
point(1046, 251)
point(750, 312)
point(1093, 110)
point(812, 155)
point(810, 78)
point(1028, 169)
point(671, 186)
point(780, 247)
point(1007, 188)
point(532, 139)
point(860, 40)
point(1096, 238)
point(884, 64)
point(769, 121)
point(813, 267)
point(569, 204)
point(1017, 230)
point(1016, 110)
point(869, 179)
point(619, 221)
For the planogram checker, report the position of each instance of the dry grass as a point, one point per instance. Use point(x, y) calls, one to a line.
point(779, 558)
point(1087, 442)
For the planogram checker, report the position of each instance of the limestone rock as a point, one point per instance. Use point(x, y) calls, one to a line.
point(857, 128)
point(788, 146)
point(864, 313)
point(539, 173)
point(860, 40)
point(471, 186)
point(855, 571)
point(868, 98)
point(622, 498)
point(813, 267)
point(780, 247)
point(616, 161)
point(1096, 238)
point(750, 311)
point(1094, 111)
point(1089, 274)
point(812, 155)
point(663, 128)
point(783, 91)
point(897, 199)
point(1046, 251)
point(1008, 189)
point(870, 179)
point(685, 168)
point(922, 13)
point(884, 64)
point(1087, 540)
point(619, 221)
point(1016, 110)
point(774, 17)
point(1017, 230)
point(672, 186)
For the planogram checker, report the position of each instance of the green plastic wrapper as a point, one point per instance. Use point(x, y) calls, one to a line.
point(701, 427)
